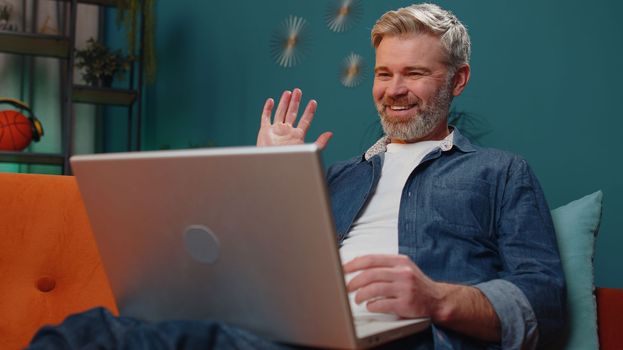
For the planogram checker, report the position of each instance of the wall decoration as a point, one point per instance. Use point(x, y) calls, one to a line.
point(353, 70)
point(342, 15)
point(474, 126)
point(18, 130)
point(290, 43)
point(5, 17)
point(48, 27)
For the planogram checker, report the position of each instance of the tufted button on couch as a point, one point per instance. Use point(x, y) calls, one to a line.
point(49, 264)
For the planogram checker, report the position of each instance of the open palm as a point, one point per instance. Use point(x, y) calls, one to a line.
point(281, 131)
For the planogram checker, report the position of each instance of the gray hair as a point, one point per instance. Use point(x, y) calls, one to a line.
point(431, 19)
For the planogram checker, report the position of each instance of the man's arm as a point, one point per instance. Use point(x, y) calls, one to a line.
point(528, 295)
point(394, 284)
point(281, 131)
point(527, 245)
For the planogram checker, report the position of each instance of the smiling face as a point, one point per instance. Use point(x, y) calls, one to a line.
point(412, 88)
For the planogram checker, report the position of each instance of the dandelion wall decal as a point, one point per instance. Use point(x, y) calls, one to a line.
point(353, 70)
point(341, 15)
point(290, 43)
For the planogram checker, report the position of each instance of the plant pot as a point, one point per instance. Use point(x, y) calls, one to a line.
point(106, 81)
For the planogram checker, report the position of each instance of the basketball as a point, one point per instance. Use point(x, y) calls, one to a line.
point(15, 131)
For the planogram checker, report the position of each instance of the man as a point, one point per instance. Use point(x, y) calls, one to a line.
point(434, 225)
point(428, 224)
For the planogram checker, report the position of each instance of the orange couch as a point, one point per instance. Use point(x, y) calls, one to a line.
point(49, 264)
point(50, 267)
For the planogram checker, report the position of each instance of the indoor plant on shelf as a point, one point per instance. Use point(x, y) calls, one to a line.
point(100, 65)
point(129, 15)
point(5, 17)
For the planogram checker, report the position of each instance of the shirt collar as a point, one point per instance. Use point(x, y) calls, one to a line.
point(455, 138)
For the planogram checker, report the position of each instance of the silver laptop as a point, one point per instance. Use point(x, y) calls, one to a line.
point(242, 235)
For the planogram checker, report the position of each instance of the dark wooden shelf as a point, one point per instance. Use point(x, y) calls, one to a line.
point(31, 158)
point(99, 2)
point(34, 44)
point(96, 2)
point(103, 96)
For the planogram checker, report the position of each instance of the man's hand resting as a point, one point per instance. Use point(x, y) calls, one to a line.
point(394, 284)
point(282, 130)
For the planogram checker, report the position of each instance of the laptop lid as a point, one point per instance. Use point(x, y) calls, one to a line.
point(242, 235)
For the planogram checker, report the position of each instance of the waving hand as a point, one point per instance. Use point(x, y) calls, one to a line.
point(281, 131)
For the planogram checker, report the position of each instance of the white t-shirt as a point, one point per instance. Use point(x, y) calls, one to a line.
point(376, 229)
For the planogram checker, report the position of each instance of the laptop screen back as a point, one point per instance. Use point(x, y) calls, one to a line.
point(242, 235)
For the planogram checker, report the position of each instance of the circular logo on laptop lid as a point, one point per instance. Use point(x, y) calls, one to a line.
point(201, 244)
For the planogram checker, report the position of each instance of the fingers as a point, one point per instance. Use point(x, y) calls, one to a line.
point(284, 102)
point(287, 111)
point(375, 275)
point(293, 107)
point(375, 291)
point(376, 260)
point(323, 139)
point(305, 122)
point(266, 112)
point(389, 292)
point(399, 304)
point(308, 115)
point(387, 306)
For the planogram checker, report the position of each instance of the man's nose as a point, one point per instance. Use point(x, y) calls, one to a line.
point(397, 87)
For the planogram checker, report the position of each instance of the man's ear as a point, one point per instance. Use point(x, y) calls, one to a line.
point(461, 77)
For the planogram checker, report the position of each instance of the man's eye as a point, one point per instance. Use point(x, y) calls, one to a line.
point(383, 75)
point(414, 74)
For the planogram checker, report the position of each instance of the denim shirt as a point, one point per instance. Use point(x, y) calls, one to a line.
point(472, 216)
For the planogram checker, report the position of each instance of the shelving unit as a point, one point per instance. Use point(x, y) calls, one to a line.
point(96, 2)
point(34, 44)
point(32, 158)
point(62, 47)
point(104, 96)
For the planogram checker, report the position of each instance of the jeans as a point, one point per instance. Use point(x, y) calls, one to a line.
point(99, 329)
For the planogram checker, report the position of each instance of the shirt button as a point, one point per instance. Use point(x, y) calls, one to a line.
point(446, 145)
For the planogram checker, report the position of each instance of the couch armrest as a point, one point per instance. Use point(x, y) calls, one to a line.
point(610, 318)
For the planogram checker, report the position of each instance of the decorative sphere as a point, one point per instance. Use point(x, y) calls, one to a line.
point(15, 131)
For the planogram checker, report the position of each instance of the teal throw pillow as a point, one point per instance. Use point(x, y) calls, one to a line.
point(577, 224)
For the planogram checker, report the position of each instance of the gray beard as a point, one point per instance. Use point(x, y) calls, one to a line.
point(420, 124)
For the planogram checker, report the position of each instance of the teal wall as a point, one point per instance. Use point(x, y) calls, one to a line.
point(545, 84)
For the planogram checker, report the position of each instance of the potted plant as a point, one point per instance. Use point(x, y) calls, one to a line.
point(100, 65)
